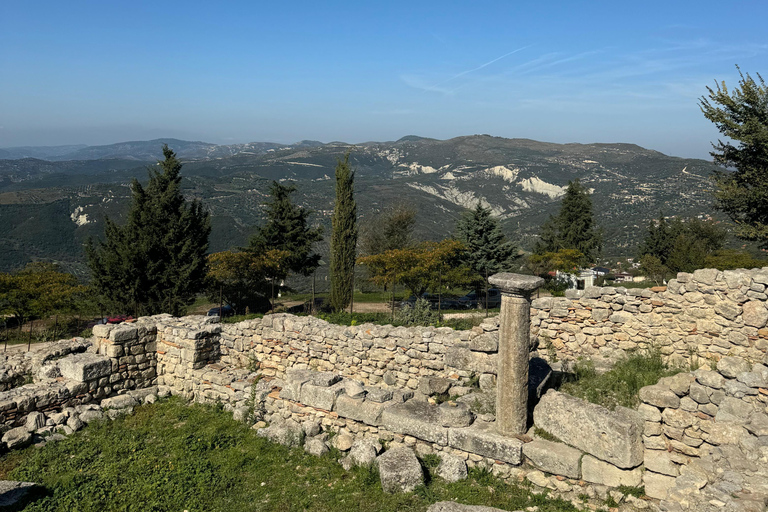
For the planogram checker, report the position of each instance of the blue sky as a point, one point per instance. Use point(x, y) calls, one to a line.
point(569, 71)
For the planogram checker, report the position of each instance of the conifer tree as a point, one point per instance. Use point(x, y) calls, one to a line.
point(488, 250)
point(344, 237)
point(574, 226)
point(156, 261)
point(286, 229)
point(742, 186)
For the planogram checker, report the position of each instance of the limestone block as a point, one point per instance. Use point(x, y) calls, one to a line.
point(378, 395)
point(732, 366)
point(364, 451)
point(613, 436)
point(733, 410)
point(316, 447)
point(434, 385)
point(706, 275)
point(660, 396)
point(85, 367)
point(555, 458)
point(17, 438)
point(119, 402)
point(451, 468)
point(486, 342)
point(482, 439)
point(366, 411)
point(649, 412)
point(123, 333)
point(755, 313)
point(462, 358)
point(600, 472)
point(452, 414)
point(660, 461)
point(414, 418)
point(399, 470)
point(34, 421)
point(657, 485)
point(709, 378)
point(698, 393)
point(321, 397)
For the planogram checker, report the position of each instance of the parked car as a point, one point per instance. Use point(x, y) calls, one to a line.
point(226, 310)
point(472, 301)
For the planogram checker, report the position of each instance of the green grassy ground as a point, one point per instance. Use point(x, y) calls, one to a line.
point(171, 456)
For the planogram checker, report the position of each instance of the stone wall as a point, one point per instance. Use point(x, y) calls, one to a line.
point(691, 416)
point(697, 318)
point(372, 354)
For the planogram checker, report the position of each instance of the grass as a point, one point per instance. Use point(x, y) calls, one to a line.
point(621, 384)
point(174, 456)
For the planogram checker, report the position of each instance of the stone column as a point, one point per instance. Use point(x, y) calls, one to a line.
point(514, 350)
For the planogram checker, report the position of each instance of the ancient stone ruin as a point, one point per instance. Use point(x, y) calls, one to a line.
point(384, 395)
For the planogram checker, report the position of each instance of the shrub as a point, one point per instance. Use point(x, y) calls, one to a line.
point(419, 314)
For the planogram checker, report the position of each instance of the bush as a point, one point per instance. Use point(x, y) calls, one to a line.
point(420, 313)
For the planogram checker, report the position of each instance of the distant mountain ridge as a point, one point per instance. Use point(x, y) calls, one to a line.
point(49, 206)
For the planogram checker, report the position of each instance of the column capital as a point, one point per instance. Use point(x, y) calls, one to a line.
point(516, 285)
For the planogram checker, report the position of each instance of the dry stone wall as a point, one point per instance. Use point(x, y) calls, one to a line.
point(372, 354)
point(697, 318)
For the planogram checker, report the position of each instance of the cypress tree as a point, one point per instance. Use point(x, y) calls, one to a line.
point(344, 237)
point(286, 230)
point(156, 261)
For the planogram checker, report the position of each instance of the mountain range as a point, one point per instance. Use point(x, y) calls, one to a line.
point(53, 198)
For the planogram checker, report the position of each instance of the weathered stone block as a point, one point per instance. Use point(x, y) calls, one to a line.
point(85, 367)
point(482, 439)
point(418, 419)
point(731, 367)
point(656, 485)
point(660, 461)
point(555, 458)
point(399, 470)
point(464, 359)
point(754, 313)
point(660, 396)
point(451, 468)
point(357, 409)
point(613, 436)
point(486, 342)
point(321, 397)
point(600, 472)
point(434, 385)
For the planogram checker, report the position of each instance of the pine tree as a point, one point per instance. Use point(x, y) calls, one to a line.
point(488, 250)
point(286, 230)
point(344, 237)
point(574, 226)
point(742, 187)
point(156, 261)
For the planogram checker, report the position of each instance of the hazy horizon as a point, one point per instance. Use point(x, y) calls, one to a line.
point(96, 74)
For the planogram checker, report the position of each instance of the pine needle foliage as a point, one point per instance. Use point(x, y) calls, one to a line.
point(741, 191)
point(287, 229)
point(574, 227)
point(156, 262)
point(344, 237)
point(487, 248)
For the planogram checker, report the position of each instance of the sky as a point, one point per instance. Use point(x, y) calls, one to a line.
point(241, 71)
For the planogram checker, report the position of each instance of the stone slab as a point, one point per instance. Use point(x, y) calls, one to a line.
point(482, 439)
point(599, 472)
point(85, 367)
point(515, 283)
point(321, 397)
point(12, 493)
point(555, 458)
point(657, 485)
point(418, 419)
point(612, 436)
point(358, 409)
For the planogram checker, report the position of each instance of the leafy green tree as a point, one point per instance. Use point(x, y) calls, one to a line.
point(39, 289)
point(652, 267)
point(487, 249)
point(574, 227)
point(390, 229)
point(729, 259)
point(156, 262)
point(344, 237)
point(287, 229)
point(241, 278)
point(741, 190)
